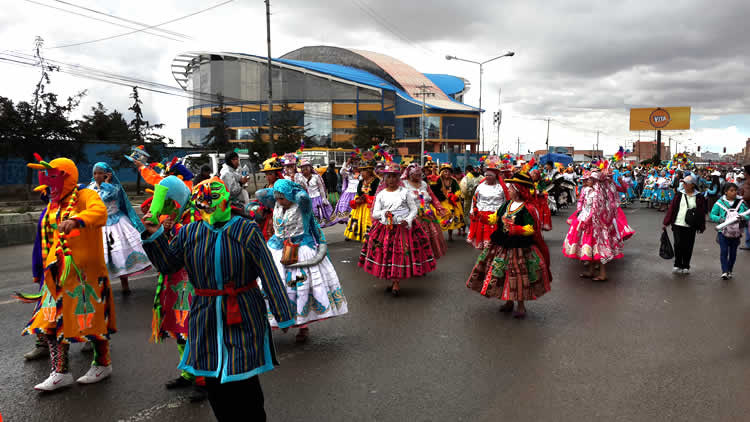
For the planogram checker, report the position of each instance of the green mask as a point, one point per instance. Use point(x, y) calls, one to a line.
point(211, 198)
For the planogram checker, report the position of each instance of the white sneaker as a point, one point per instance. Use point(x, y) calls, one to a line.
point(725, 276)
point(676, 270)
point(730, 274)
point(54, 381)
point(686, 271)
point(95, 374)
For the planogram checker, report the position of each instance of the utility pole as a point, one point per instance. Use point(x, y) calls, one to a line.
point(270, 77)
point(518, 148)
point(597, 142)
point(424, 91)
point(548, 136)
point(498, 117)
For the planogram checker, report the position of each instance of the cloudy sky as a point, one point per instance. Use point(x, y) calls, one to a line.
point(582, 64)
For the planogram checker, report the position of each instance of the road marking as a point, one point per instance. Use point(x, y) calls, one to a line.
point(151, 412)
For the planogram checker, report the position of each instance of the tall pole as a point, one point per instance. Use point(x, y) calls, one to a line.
point(424, 91)
point(658, 146)
point(547, 142)
point(597, 142)
point(518, 147)
point(481, 127)
point(270, 78)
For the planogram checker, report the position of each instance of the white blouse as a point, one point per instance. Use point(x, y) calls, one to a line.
point(488, 197)
point(352, 180)
point(399, 202)
point(313, 186)
point(287, 223)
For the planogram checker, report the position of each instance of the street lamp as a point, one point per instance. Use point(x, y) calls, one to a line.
point(481, 71)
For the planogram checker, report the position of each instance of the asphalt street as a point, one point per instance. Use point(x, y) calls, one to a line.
point(646, 345)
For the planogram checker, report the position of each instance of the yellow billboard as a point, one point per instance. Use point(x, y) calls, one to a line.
point(660, 118)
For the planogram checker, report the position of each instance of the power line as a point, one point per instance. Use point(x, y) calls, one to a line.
point(177, 34)
point(144, 29)
point(384, 23)
point(97, 19)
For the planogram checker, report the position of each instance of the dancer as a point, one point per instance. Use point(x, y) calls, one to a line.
point(663, 192)
point(123, 251)
point(593, 236)
point(76, 303)
point(263, 215)
point(224, 255)
point(397, 247)
point(349, 184)
point(447, 192)
point(515, 267)
point(299, 250)
point(172, 168)
point(540, 198)
point(468, 185)
point(489, 197)
point(430, 209)
point(313, 184)
point(359, 219)
point(170, 205)
point(289, 160)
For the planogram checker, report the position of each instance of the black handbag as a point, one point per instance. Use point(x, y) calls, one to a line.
point(691, 215)
point(665, 249)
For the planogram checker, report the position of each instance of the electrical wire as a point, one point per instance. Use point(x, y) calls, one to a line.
point(177, 34)
point(99, 20)
point(143, 29)
point(385, 25)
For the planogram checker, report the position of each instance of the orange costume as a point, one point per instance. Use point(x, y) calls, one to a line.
point(76, 303)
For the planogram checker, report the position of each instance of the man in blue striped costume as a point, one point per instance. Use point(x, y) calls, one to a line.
point(229, 337)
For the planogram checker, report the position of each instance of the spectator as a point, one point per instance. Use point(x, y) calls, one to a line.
point(728, 206)
point(204, 174)
point(234, 180)
point(684, 232)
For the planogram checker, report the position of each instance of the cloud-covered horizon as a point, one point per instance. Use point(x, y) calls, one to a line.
point(580, 63)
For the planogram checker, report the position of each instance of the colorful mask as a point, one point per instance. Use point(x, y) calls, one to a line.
point(59, 176)
point(211, 198)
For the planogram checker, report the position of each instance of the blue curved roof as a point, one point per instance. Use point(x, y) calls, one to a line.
point(367, 78)
point(447, 83)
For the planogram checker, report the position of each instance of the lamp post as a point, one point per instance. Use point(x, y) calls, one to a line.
point(481, 72)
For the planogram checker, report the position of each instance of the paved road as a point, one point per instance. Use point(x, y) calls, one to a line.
point(647, 345)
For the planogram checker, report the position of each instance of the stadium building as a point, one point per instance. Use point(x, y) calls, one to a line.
point(330, 91)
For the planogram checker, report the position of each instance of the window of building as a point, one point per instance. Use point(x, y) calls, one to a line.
point(411, 127)
point(318, 122)
point(350, 117)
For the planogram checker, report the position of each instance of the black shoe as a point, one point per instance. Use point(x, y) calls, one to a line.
point(198, 394)
point(178, 382)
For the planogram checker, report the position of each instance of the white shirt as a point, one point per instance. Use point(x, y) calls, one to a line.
point(488, 197)
point(313, 186)
point(352, 180)
point(680, 219)
point(287, 223)
point(399, 202)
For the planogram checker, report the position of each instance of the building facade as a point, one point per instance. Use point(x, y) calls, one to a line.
point(645, 150)
point(330, 91)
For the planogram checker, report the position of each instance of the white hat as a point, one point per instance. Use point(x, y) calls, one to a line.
point(716, 173)
point(741, 176)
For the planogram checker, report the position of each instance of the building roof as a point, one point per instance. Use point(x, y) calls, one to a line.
point(405, 77)
point(449, 84)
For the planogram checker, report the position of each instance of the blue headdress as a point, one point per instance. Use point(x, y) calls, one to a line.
point(122, 198)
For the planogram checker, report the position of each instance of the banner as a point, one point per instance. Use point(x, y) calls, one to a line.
point(660, 118)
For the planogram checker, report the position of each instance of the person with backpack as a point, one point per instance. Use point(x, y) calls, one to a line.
point(728, 207)
point(686, 215)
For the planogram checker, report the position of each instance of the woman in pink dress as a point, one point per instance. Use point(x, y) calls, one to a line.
point(593, 234)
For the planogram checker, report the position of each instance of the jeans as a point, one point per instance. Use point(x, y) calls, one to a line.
point(684, 241)
point(747, 236)
point(727, 252)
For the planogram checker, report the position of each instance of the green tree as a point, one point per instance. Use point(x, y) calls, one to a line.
point(287, 130)
point(220, 134)
point(43, 125)
point(103, 126)
point(371, 133)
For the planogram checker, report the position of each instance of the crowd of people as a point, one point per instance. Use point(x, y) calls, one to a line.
point(233, 267)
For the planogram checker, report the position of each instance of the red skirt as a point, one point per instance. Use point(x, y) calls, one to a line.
point(480, 230)
point(397, 252)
